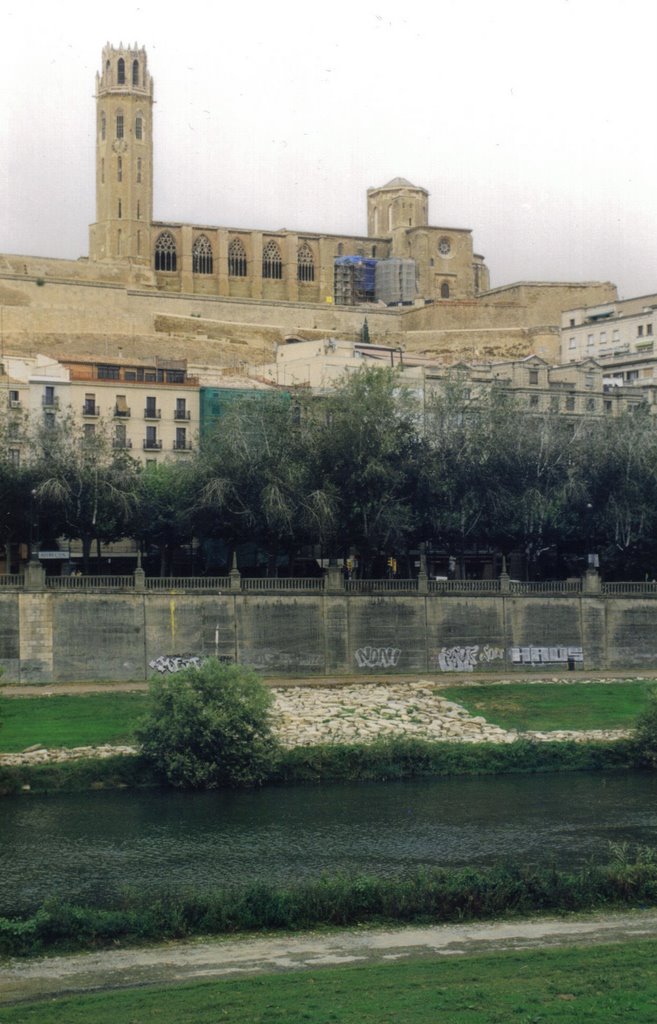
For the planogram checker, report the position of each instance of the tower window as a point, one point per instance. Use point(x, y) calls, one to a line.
point(138, 169)
point(202, 256)
point(236, 259)
point(103, 126)
point(120, 209)
point(444, 290)
point(120, 71)
point(138, 210)
point(138, 126)
point(272, 264)
point(340, 248)
point(119, 126)
point(135, 72)
point(119, 170)
point(305, 263)
point(165, 252)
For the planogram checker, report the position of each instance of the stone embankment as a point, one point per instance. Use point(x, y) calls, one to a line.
point(359, 713)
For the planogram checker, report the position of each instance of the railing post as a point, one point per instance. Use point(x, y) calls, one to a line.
point(505, 579)
point(35, 576)
point(423, 576)
point(592, 582)
point(334, 578)
point(234, 575)
point(140, 576)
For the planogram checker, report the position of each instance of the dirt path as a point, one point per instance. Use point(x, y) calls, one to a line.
point(224, 958)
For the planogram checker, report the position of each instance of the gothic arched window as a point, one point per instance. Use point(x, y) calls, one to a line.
point(120, 71)
point(305, 263)
point(165, 251)
point(103, 126)
point(135, 72)
point(236, 259)
point(202, 256)
point(119, 126)
point(444, 290)
point(272, 264)
point(139, 126)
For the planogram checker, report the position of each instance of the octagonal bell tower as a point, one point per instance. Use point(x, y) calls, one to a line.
point(124, 157)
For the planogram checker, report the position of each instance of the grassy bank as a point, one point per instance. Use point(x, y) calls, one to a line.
point(374, 762)
point(550, 706)
point(605, 984)
point(87, 719)
point(428, 895)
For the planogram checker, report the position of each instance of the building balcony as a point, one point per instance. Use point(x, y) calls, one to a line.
point(90, 409)
point(152, 414)
point(50, 402)
point(152, 445)
point(119, 444)
point(121, 414)
point(182, 414)
point(182, 446)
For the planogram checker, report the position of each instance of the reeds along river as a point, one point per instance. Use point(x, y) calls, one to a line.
point(93, 847)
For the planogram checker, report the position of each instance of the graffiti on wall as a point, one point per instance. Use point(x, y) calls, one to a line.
point(466, 659)
point(535, 655)
point(268, 658)
point(377, 657)
point(175, 662)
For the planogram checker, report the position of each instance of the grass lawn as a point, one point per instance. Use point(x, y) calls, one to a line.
point(547, 706)
point(69, 721)
point(601, 984)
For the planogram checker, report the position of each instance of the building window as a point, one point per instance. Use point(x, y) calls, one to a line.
point(138, 170)
point(202, 256)
point(119, 126)
point(639, 331)
point(106, 372)
point(49, 399)
point(165, 252)
point(120, 210)
point(89, 407)
point(135, 72)
point(648, 328)
point(181, 409)
point(570, 403)
point(120, 436)
point(373, 252)
point(615, 334)
point(340, 249)
point(236, 258)
point(603, 337)
point(590, 404)
point(305, 264)
point(119, 170)
point(444, 290)
point(151, 441)
point(444, 247)
point(573, 343)
point(88, 431)
point(138, 210)
point(554, 403)
point(533, 376)
point(608, 406)
point(49, 420)
point(138, 126)
point(572, 322)
point(590, 340)
point(150, 412)
point(272, 264)
point(103, 126)
point(181, 439)
point(533, 401)
point(120, 71)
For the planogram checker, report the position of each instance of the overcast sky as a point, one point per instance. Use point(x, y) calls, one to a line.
point(530, 121)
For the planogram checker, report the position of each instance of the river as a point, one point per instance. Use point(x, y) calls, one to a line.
point(96, 846)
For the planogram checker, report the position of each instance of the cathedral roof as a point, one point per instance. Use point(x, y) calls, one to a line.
point(400, 183)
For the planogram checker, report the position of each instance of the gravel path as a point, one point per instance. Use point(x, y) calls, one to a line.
point(172, 963)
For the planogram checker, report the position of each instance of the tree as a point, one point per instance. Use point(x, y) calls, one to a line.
point(84, 486)
point(162, 517)
point(210, 726)
point(366, 447)
point(644, 740)
point(258, 480)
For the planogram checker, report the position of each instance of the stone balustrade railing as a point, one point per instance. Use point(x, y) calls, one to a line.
point(35, 579)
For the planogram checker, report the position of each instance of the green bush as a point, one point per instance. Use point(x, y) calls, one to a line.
point(209, 727)
point(644, 741)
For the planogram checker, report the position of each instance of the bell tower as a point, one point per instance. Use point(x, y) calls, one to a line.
point(124, 157)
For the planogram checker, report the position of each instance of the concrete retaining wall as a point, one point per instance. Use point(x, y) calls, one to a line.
point(48, 636)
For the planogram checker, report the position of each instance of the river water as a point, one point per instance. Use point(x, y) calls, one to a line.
point(96, 846)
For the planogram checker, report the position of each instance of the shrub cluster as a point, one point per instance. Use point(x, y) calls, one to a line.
point(430, 895)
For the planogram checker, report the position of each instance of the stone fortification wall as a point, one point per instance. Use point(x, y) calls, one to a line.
point(48, 636)
point(56, 306)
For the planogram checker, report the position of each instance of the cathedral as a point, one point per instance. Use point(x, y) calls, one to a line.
point(272, 265)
